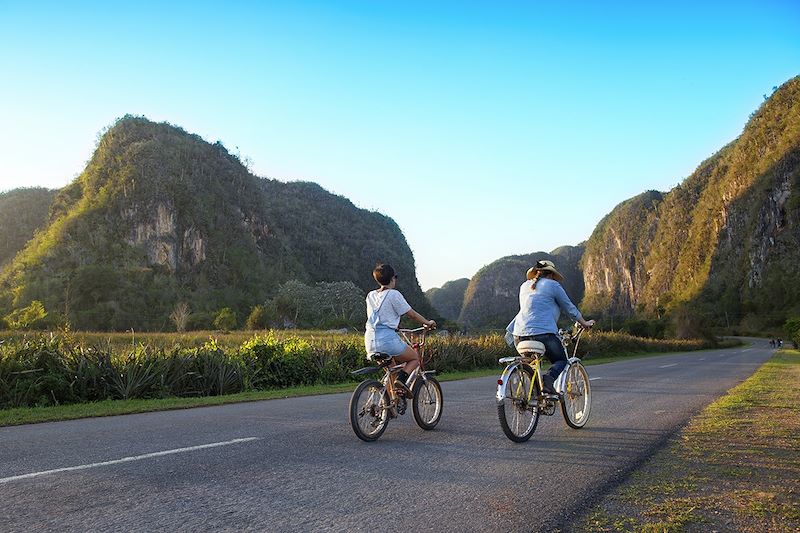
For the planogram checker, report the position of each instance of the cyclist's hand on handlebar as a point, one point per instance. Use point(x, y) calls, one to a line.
point(587, 324)
point(430, 324)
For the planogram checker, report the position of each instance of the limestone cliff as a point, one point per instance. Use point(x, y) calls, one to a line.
point(725, 241)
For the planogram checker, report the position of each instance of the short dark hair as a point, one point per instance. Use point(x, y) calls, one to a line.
point(383, 273)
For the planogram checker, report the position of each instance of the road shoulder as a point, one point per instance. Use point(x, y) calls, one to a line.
point(734, 467)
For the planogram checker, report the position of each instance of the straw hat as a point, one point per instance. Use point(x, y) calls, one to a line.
point(547, 266)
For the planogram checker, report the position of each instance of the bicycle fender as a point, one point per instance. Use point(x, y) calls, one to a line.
point(501, 383)
point(561, 380)
point(366, 370)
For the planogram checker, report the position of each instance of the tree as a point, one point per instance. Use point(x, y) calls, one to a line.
point(257, 318)
point(26, 317)
point(792, 328)
point(296, 300)
point(225, 319)
point(180, 316)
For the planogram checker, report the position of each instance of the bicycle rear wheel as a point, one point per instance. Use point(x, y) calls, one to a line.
point(427, 403)
point(369, 411)
point(519, 416)
point(576, 403)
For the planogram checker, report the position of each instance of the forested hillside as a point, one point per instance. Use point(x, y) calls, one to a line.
point(492, 297)
point(22, 212)
point(159, 217)
point(723, 247)
point(448, 299)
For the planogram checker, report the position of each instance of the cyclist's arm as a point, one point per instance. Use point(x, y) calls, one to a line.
point(569, 308)
point(421, 319)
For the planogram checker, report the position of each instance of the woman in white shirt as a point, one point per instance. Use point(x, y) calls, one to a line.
point(385, 306)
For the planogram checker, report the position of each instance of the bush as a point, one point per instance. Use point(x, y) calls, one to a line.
point(225, 320)
point(57, 369)
point(257, 318)
point(792, 329)
point(27, 317)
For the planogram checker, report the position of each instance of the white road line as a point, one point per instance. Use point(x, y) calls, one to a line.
point(127, 459)
point(592, 379)
point(667, 366)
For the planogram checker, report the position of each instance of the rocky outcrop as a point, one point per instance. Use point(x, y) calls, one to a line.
point(614, 270)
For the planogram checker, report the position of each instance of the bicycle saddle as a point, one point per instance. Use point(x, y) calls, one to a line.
point(378, 357)
point(525, 347)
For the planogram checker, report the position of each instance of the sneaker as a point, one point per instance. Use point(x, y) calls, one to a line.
point(399, 385)
point(549, 384)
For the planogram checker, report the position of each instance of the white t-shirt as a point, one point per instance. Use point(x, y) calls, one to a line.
point(389, 311)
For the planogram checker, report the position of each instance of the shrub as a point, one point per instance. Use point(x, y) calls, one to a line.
point(257, 318)
point(27, 317)
point(225, 320)
point(792, 329)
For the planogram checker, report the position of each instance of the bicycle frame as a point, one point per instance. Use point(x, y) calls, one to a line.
point(419, 346)
point(391, 368)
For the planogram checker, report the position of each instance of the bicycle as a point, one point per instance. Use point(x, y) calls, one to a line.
point(375, 402)
point(520, 393)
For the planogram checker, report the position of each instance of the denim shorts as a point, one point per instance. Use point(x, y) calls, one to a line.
point(384, 340)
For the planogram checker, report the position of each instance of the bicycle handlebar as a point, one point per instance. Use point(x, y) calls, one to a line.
point(417, 330)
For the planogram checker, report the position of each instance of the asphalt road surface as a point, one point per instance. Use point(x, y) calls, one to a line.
point(295, 464)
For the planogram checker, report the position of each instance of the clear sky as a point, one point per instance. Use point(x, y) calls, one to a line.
point(484, 129)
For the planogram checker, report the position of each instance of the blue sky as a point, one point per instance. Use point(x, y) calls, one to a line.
point(483, 129)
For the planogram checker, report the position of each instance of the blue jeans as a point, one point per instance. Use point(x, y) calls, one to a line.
point(554, 351)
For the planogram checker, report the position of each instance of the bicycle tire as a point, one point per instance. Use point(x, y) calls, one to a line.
point(576, 402)
point(428, 402)
point(511, 410)
point(369, 413)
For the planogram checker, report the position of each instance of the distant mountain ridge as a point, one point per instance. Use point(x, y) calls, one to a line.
point(160, 216)
point(492, 297)
point(448, 299)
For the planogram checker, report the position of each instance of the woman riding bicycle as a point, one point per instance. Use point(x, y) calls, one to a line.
point(541, 300)
point(385, 306)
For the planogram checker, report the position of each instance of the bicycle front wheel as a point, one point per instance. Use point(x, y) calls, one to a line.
point(518, 413)
point(427, 403)
point(369, 410)
point(576, 404)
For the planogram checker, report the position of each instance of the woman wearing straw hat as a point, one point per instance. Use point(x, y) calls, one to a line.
point(541, 300)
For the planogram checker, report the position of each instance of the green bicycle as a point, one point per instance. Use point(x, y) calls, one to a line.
point(520, 396)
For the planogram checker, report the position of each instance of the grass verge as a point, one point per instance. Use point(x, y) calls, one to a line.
point(734, 468)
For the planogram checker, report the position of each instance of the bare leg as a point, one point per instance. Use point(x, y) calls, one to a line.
point(411, 359)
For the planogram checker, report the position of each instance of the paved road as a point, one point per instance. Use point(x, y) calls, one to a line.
point(303, 469)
